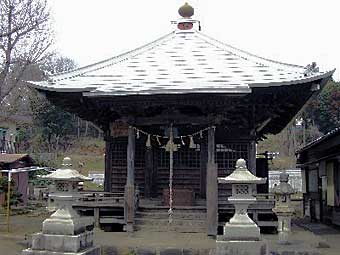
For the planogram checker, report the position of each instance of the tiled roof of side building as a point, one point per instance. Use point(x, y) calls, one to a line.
point(179, 63)
point(330, 134)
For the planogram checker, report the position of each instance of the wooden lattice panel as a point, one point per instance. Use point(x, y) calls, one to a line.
point(226, 156)
point(186, 169)
point(119, 164)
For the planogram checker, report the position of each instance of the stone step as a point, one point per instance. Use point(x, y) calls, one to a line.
point(176, 222)
point(171, 228)
point(180, 209)
point(176, 215)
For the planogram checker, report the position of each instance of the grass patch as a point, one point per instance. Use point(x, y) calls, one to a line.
point(93, 186)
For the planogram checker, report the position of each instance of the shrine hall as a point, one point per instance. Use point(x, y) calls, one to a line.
point(178, 112)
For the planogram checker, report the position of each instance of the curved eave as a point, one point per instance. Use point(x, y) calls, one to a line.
point(46, 86)
point(231, 91)
point(88, 90)
point(308, 79)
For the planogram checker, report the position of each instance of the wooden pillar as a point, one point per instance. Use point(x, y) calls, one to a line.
point(129, 194)
point(148, 172)
point(96, 217)
point(251, 164)
point(154, 186)
point(108, 164)
point(203, 168)
point(212, 189)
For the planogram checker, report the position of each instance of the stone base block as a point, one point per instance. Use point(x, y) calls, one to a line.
point(241, 247)
point(72, 226)
point(129, 194)
point(237, 232)
point(64, 243)
point(89, 251)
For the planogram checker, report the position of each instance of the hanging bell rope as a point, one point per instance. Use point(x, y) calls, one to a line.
point(171, 150)
point(171, 147)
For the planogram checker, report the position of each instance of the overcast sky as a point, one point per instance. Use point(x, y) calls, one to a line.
point(292, 31)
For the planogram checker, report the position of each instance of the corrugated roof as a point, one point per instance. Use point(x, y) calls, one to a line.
point(179, 63)
point(9, 158)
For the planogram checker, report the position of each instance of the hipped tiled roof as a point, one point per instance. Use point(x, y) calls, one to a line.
point(179, 63)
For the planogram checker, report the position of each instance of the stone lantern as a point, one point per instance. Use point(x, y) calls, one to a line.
point(65, 232)
point(283, 208)
point(241, 235)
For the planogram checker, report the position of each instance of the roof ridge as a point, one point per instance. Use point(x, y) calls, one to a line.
point(110, 61)
point(245, 54)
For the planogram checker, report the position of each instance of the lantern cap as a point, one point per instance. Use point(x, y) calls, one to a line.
point(242, 175)
point(283, 187)
point(284, 177)
point(65, 173)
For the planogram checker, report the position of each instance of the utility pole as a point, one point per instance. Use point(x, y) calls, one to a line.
point(8, 198)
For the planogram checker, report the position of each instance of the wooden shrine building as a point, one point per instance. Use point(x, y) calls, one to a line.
point(320, 164)
point(212, 100)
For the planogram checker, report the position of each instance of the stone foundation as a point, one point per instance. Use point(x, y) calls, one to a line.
point(62, 244)
point(90, 251)
point(241, 247)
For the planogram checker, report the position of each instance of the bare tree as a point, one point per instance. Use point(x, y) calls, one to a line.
point(25, 38)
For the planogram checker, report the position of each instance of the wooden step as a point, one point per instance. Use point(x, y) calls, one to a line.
point(175, 222)
point(171, 228)
point(176, 215)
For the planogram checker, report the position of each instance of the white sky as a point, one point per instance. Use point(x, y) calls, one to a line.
point(292, 31)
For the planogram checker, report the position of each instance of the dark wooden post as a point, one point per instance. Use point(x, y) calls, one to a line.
point(129, 194)
point(203, 168)
point(251, 164)
point(212, 192)
point(148, 172)
point(108, 163)
point(252, 157)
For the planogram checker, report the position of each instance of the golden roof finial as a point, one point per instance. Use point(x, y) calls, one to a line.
point(186, 11)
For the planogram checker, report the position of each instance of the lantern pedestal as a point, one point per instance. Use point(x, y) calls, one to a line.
point(240, 247)
point(240, 226)
point(283, 209)
point(65, 232)
point(241, 235)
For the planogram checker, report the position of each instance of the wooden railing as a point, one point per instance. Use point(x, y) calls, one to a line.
point(100, 199)
point(265, 196)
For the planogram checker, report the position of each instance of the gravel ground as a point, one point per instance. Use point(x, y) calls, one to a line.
point(22, 226)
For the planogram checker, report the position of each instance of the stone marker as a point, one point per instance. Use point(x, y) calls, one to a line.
point(283, 208)
point(65, 232)
point(241, 235)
